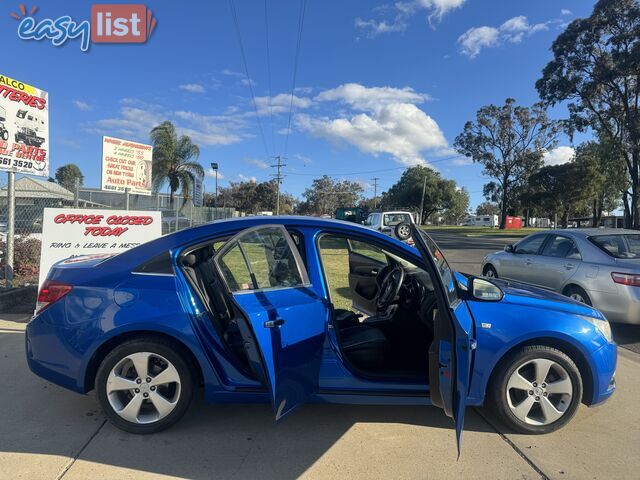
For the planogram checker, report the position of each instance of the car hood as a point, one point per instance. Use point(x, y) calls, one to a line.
point(526, 295)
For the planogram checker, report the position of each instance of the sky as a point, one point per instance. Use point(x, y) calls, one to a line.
point(379, 86)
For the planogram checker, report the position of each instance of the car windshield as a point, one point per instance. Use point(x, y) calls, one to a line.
point(369, 220)
point(444, 270)
point(392, 219)
point(619, 245)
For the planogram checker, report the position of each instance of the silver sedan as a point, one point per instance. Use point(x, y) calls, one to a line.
point(599, 267)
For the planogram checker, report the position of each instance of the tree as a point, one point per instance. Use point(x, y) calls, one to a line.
point(326, 195)
point(251, 197)
point(609, 176)
point(173, 161)
point(487, 208)
point(595, 69)
point(439, 193)
point(509, 142)
point(563, 189)
point(457, 208)
point(66, 176)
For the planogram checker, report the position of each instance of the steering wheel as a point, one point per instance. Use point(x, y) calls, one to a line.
point(390, 287)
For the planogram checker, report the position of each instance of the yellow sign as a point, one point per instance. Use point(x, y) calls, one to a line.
point(17, 85)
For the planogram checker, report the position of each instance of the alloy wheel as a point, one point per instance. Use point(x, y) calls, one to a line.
point(539, 391)
point(489, 273)
point(577, 297)
point(143, 387)
point(404, 230)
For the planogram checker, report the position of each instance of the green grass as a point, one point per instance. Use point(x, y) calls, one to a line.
point(483, 231)
point(336, 267)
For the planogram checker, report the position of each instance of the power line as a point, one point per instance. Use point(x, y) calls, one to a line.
point(303, 6)
point(234, 14)
point(278, 176)
point(266, 29)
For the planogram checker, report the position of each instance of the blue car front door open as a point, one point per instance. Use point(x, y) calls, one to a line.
point(451, 350)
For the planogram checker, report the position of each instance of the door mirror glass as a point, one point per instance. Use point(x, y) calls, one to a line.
point(508, 248)
point(486, 291)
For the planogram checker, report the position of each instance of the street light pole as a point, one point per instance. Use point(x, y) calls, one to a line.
point(214, 167)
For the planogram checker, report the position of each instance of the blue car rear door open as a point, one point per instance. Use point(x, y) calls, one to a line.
point(267, 279)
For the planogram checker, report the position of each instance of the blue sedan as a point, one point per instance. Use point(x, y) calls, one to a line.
point(290, 310)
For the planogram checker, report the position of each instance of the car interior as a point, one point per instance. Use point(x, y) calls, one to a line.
point(383, 306)
point(384, 309)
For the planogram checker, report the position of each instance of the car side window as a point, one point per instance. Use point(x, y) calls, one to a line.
point(562, 247)
point(530, 245)
point(259, 259)
point(368, 250)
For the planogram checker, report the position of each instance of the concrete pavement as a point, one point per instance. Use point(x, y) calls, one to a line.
point(50, 433)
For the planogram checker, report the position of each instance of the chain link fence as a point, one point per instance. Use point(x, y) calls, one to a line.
point(33, 195)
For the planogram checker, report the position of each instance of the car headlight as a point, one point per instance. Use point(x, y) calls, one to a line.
point(602, 324)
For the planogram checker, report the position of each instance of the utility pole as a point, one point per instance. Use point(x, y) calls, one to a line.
point(278, 176)
point(375, 191)
point(424, 187)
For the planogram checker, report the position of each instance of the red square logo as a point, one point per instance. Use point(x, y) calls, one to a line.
point(121, 23)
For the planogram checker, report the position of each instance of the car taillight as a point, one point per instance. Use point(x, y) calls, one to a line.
point(51, 292)
point(626, 279)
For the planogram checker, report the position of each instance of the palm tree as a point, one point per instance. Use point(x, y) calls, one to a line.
point(173, 160)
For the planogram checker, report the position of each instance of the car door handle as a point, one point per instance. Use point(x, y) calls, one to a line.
point(374, 271)
point(274, 323)
point(569, 266)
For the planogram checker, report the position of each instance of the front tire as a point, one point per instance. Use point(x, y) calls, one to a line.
point(144, 385)
point(536, 390)
point(578, 294)
point(490, 272)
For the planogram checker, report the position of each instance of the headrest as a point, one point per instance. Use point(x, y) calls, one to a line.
point(189, 260)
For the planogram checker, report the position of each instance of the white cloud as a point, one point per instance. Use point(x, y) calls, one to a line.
point(67, 142)
point(401, 130)
point(82, 105)
point(513, 30)
point(475, 39)
point(212, 173)
point(462, 161)
point(559, 155)
point(565, 12)
point(193, 88)
point(304, 159)
point(244, 178)
point(281, 103)
point(369, 98)
point(135, 119)
point(393, 18)
point(256, 162)
point(232, 73)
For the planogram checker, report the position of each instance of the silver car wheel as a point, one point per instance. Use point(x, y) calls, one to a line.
point(577, 297)
point(489, 273)
point(539, 391)
point(143, 387)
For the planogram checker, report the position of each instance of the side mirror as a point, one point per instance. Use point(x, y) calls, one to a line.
point(486, 291)
point(509, 248)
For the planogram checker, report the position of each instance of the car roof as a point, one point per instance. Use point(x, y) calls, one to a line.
point(232, 226)
point(589, 232)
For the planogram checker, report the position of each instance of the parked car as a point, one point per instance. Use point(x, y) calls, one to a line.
point(481, 221)
point(598, 267)
point(245, 308)
point(392, 223)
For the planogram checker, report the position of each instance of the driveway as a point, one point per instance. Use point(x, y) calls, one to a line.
point(50, 433)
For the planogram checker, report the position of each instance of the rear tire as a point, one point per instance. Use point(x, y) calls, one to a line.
point(578, 294)
point(144, 385)
point(528, 400)
point(489, 271)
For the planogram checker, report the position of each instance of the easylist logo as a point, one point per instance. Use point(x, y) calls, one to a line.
point(120, 23)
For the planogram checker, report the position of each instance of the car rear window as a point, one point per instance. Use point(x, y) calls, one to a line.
point(618, 246)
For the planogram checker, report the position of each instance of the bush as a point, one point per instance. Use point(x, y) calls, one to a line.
point(26, 260)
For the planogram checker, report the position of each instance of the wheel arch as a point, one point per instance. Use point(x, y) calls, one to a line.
point(565, 346)
point(572, 284)
point(108, 345)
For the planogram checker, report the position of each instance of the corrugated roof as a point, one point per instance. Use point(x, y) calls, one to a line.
point(27, 187)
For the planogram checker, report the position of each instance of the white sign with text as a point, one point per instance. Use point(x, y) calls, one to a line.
point(68, 232)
